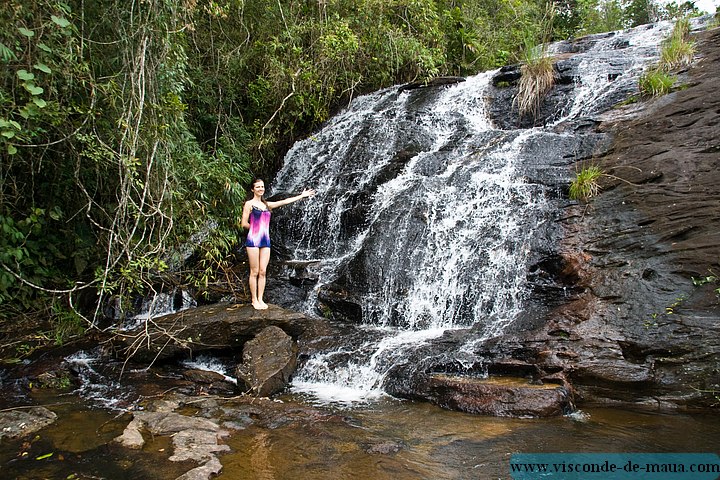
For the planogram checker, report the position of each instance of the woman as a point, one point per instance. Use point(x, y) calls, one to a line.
point(256, 218)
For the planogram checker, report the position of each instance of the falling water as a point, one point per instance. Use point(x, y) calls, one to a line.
point(426, 214)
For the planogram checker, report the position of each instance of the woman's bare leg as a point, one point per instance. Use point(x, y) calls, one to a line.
point(262, 269)
point(254, 260)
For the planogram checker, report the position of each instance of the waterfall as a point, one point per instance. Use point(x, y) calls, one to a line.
point(427, 214)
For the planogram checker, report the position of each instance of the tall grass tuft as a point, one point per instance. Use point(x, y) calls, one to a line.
point(677, 50)
point(585, 185)
point(656, 82)
point(537, 77)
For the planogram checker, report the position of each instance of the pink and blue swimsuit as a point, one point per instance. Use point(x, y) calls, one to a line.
point(259, 234)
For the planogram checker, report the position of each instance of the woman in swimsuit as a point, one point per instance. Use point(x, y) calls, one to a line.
point(256, 218)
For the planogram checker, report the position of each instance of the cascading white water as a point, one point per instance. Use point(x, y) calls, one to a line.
point(446, 237)
point(614, 64)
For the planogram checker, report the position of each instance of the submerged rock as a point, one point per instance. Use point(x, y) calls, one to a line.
point(195, 439)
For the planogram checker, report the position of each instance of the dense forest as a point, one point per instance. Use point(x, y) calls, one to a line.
point(128, 127)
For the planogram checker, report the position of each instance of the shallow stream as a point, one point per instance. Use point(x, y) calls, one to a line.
point(386, 439)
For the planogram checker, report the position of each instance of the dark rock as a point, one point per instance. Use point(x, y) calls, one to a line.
point(433, 82)
point(269, 360)
point(203, 376)
point(210, 382)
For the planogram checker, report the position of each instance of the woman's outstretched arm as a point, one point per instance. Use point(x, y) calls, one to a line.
point(308, 192)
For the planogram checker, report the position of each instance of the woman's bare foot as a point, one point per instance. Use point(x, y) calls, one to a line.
point(258, 305)
point(263, 306)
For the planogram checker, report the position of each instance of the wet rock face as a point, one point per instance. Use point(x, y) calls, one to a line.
point(501, 99)
point(614, 310)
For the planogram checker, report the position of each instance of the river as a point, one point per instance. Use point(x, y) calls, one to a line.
point(386, 439)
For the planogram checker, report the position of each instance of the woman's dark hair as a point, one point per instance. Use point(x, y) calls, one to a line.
point(251, 195)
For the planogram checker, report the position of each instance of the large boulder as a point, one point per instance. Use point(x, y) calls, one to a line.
point(269, 360)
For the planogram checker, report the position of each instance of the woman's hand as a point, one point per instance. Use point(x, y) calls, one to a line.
point(308, 192)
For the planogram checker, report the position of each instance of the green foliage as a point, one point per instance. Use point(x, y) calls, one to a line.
point(585, 185)
point(27, 246)
point(583, 17)
point(65, 323)
point(675, 10)
point(708, 279)
point(599, 16)
point(123, 131)
point(101, 172)
point(676, 51)
point(214, 263)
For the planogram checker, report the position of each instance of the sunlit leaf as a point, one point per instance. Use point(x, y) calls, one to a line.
point(44, 48)
point(26, 32)
point(25, 75)
point(43, 68)
point(33, 89)
point(7, 133)
point(60, 21)
point(43, 457)
point(39, 102)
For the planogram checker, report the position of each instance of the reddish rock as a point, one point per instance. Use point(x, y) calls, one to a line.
point(501, 397)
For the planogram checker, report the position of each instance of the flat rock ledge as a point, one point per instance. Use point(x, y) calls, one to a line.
point(219, 326)
point(195, 439)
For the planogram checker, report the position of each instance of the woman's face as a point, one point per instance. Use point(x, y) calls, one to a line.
point(258, 188)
